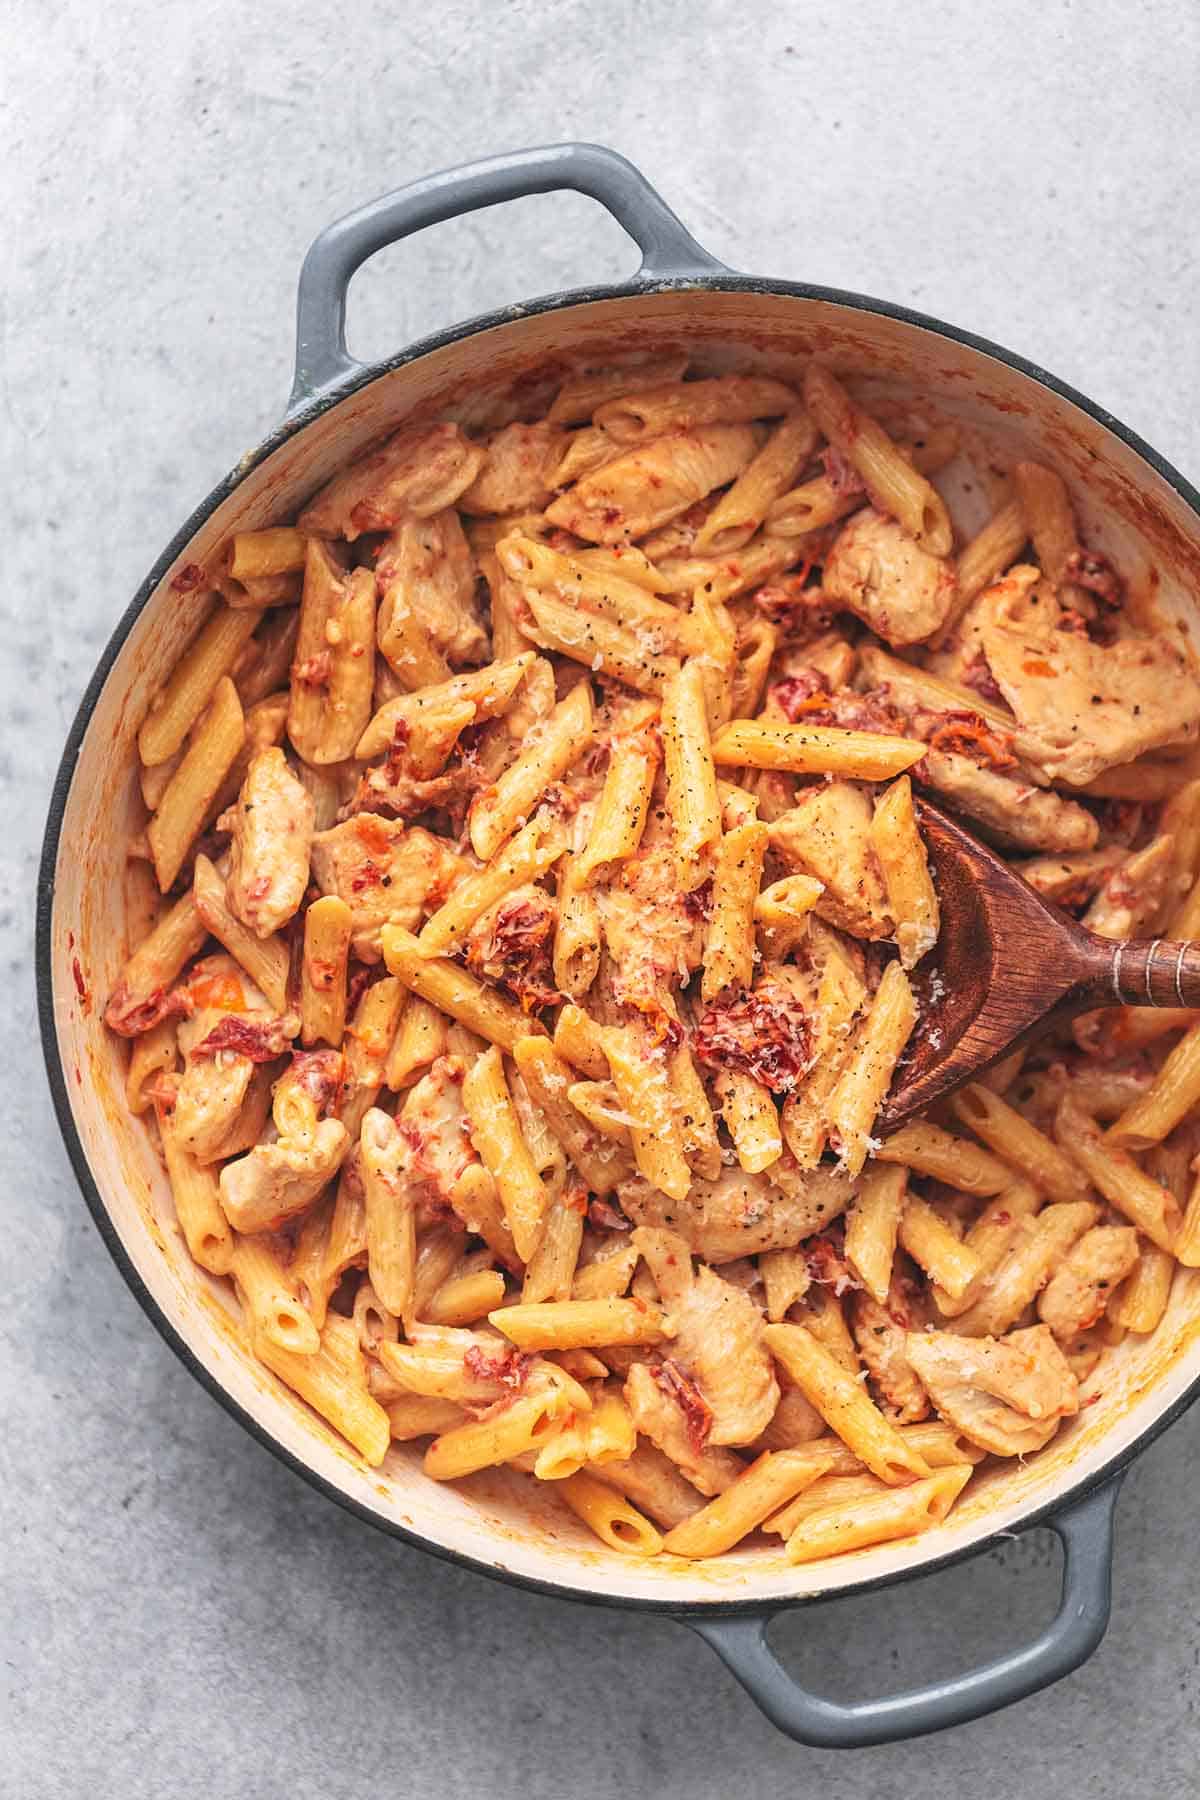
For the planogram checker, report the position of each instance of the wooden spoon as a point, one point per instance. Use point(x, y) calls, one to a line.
point(1009, 965)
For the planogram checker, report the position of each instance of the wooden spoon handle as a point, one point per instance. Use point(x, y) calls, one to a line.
point(1147, 972)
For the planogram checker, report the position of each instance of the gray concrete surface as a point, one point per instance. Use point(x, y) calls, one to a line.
point(180, 1615)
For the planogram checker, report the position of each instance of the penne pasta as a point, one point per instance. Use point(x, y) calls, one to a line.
point(265, 960)
point(193, 787)
point(861, 1086)
point(583, 1324)
point(911, 898)
point(854, 1521)
point(390, 1203)
point(333, 1382)
point(989, 1239)
point(642, 1076)
point(328, 925)
point(873, 1227)
point(614, 1521)
point(894, 485)
point(739, 512)
point(928, 1150)
point(623, 807)
point(786, 1278)
point(1027, 1151)
point(581, 396)
point(680, 406)
point(499, 1438)
point(1025, 1268)
point(775, 1478)
point(496, 1134)
point(751, 1119)
point(844, 1404)
point(193, 682)
point(551, 1269)
point(691, 777)
point(1171, 1097)
point(547, 754)
point(332, 677)
point(815, 750)
point(196, 1193)
point(948, 1261)
point(275, 1312)
point(523, 859)
point(1049, 517)
point(729, 938)
point(453, 990)
point(1144, 1201)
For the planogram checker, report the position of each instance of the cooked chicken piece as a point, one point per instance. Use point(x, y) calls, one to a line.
point(220, 1050)
point(740, 1215)
point(638, 492)
point(827, 834)
point(390, 790)
point(1015, 814)
point(1020, 589)
point(1082, 1285)
point(384, 870)
point(230, 1031)
point(718, 1340)
point(271, 827)
point(881, 1333)
point(210, 1092)
point(666, 1409)
point(1083, 707)
point(1134, 894)
point(433, 1123)
point(1007, 1395)
point(415, 473)
point(1074, 878)
point(653, 935)
point(426, 579)
point(654, 1484)
point(274, 1182)
point(512, 479)
point(876, 570)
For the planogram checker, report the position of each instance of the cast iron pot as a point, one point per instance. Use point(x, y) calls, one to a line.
point(1135, 506)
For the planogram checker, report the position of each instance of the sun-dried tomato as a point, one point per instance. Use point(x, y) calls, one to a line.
point(698, 904)
point(806, 691)
point(517, 953)
point(765, 1033)
point(261, 1039)
point(966, 734)
point(697, 1413)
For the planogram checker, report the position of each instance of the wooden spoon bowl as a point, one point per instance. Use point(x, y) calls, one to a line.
point(1007, 966)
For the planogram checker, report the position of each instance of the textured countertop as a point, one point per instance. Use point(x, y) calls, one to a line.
point(180, 1614)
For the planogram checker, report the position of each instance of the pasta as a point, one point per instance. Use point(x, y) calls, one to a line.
point(519, 938)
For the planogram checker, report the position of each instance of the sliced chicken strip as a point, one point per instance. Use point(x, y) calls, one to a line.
point(1007, 1394)
point(740, 1215)
point(1082, 1285)
point(271, 826)
point(718, 1339)
point(877, 571)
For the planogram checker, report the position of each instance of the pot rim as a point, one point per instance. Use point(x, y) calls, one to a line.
point(294, 422)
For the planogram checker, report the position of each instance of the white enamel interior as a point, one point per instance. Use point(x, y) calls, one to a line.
point(516, 1524)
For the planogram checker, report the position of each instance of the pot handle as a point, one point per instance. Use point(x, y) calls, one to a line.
point(669, 252)
point(1085, 1531)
